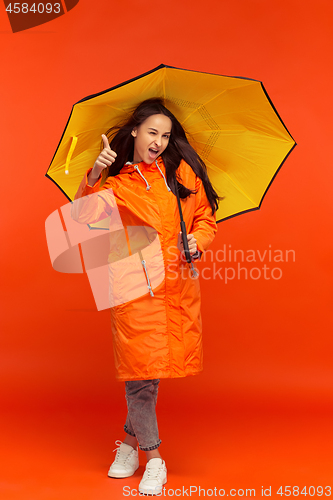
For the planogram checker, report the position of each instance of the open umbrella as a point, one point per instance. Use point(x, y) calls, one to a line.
point(230, 121)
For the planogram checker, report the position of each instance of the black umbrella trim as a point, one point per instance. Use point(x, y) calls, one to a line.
point(54, 182)
point(161, 66)
point(263, 196)
point(277, 114)
point(47, 175)
point(277, 171)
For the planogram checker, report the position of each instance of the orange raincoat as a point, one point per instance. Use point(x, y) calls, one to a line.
point(159, 334)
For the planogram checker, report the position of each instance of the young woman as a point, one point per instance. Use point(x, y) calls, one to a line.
point(157, 334)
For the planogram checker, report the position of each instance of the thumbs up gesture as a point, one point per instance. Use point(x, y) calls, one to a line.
point(105, 158)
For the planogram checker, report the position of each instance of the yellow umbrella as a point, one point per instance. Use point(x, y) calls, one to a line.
point(230, 121)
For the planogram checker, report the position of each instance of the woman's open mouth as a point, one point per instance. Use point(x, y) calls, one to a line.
point(153, 152)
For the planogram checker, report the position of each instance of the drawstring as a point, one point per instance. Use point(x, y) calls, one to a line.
point(169, 189)
point(149, 285)
point(137, 168)
point(143, 177)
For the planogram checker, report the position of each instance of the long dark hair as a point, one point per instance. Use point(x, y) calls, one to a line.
point(122, 142)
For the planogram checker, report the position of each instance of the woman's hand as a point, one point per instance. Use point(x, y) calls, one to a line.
point(104, 160)
point(192, 243)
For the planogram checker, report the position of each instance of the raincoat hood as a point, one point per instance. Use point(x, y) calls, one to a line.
point(142, 167)
point(129, 166)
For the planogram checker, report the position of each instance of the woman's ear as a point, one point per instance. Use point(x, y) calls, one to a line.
point(134, 132)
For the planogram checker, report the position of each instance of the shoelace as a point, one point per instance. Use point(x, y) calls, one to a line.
point(121, 457)
point(153, 472)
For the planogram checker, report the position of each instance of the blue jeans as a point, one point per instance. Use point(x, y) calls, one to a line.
point(141, 422)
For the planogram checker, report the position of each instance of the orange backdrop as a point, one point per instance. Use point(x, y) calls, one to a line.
point(259, 414)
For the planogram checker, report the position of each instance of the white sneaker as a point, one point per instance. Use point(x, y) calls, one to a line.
point(126, 461)
point(154, 477)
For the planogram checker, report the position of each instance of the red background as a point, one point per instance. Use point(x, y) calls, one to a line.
point(260, 413)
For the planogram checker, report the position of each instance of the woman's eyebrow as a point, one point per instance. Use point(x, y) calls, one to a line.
point(155, 130)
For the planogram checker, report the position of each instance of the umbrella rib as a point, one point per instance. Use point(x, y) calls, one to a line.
point(257, 134)
point(164, 84)
point(207, 102)
point(234, 153)
point(231, 151)
point(87, 104)
point(237, 187)
point(228, 112)
point(225, 90)
point(196, 109)
point(118, 109)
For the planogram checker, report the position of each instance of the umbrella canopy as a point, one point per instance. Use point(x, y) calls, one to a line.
point(230, 121)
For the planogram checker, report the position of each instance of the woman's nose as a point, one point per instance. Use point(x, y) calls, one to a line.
point(158, 141)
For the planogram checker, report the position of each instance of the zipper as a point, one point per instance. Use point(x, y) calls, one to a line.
point(143, 262)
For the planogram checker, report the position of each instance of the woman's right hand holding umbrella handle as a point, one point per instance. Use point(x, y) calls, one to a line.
point(104, 160)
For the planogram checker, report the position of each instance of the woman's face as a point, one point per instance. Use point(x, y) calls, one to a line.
point(151, 138)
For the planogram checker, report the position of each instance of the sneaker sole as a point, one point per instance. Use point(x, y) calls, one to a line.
point(150, 491)
point(119, 475)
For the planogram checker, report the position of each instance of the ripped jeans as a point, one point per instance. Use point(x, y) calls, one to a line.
point(141, 422)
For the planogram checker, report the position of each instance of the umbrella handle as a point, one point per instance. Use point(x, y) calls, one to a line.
point(183, 229)
point(185, 242)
